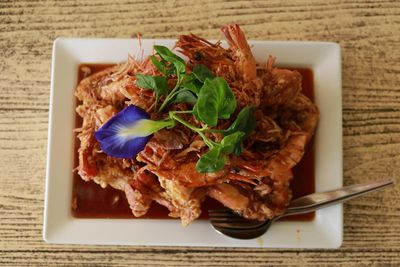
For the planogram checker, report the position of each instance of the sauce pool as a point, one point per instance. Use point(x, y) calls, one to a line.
point(89, 200)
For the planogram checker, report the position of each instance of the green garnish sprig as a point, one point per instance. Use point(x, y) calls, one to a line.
point(212, 100)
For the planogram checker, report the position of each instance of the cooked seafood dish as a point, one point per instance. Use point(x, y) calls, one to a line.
point(174, 131)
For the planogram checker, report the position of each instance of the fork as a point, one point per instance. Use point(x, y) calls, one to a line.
point(229, 223)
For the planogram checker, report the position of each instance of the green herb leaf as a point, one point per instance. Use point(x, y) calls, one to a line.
point(160, 65)
point(214, 160)
point(195, 112)
point(166, 54)
point(184, 96)
point(201, 72)
point(215, 100)
point(230, 142)
point(180, 69)
point(245, 122)
point(157, 83)
point(211, 161)
point(191, 83)
point(191, 87)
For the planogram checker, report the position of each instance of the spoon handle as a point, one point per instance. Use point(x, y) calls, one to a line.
point(320, 200)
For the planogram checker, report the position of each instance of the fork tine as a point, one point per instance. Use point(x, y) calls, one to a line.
point(221, 211)
point(233, 225)
point(228, 219)
point(224, 215)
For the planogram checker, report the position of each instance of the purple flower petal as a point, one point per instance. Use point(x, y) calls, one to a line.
point(115, 144)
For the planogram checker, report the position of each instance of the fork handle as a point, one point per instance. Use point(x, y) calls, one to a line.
point(321, 200)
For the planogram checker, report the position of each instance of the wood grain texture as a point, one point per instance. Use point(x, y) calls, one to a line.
point(369, 34)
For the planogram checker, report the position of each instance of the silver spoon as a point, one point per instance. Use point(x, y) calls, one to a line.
point(227, 222)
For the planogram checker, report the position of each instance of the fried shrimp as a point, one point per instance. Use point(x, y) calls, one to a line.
point(254, 183)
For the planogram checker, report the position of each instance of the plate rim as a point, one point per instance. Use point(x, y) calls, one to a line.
point(50, 235)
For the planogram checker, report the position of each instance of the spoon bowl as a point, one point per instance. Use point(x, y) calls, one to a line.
point(230, 223)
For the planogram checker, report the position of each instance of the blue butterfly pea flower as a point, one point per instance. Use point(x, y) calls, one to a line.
point(126, 134)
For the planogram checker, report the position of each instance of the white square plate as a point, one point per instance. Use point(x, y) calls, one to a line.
point(325, 231)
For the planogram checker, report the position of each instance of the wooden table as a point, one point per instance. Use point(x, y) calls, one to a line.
point(369, 34)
